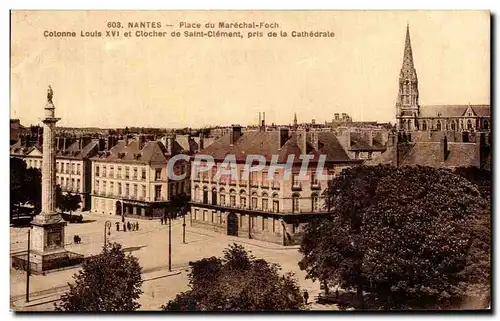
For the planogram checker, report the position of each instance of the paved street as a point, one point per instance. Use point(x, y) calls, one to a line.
point(150, 246)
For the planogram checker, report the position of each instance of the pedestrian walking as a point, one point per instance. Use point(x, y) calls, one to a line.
point(117, 226)
point(138, 226)
point(128, 226)
point(306, 297)
point(161, 220)
point(124, 227)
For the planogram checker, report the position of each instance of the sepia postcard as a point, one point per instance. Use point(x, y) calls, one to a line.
point(250, 161)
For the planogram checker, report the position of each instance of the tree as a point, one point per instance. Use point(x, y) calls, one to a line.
point(237, 282)
point(26, 185)
point(404, 235)
point(67, 202)
point(110, 281)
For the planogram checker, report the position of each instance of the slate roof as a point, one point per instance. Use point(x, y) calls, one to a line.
point(74, 152)
point(266, 143)
point(153, 152)
point(431, 154)
point(453, 110)
point(331, 147)
point(359, 143)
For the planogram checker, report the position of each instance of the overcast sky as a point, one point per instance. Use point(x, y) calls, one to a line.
point(165, 82)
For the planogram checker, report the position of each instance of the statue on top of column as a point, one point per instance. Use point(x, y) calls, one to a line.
point(50, 94)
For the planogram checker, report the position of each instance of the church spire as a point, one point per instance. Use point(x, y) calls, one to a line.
point(407, 106)
point(408, 69)
point(295, 120)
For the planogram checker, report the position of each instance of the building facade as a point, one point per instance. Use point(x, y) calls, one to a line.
point(256, 207)
point(72, 169)
point(131, 178)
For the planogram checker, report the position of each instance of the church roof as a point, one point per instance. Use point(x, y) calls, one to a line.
point(453, 110)
point(431, 154)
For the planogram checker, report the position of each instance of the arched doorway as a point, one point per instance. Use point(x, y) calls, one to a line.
point(118, 208)
point(232, 224)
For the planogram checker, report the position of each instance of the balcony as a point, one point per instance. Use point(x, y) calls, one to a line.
point(297, 186)
point(315, 186)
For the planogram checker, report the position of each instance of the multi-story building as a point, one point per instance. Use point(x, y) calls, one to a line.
point(271, 210)
point(72, 163)
point(131, 178)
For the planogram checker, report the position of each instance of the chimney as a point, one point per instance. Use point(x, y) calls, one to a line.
point(344, 138)
point(235, 134)
point(444, 148)
point(202, 141)
point(283, 136)
point(142, 141)
point(391, 139)
point(169, 145)
point(315, 140)
point(484, 150)
point(260, 121)
point(102, 144)
point(80, 143)
point(264, 120)
point(302, 141)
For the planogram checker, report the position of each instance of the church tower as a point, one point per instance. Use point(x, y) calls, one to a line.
point(407, 108)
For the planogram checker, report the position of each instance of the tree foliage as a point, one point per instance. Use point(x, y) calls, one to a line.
point(68, 202)
point(110, 281)
point(237, 282)
point(25, 185)
point(178, 206)
point(406, 235)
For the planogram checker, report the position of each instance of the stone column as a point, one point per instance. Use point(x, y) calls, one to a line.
point(49, 167)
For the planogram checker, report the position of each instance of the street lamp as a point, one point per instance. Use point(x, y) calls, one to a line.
point(107, 225)
point(169, 242)
point(28, 267)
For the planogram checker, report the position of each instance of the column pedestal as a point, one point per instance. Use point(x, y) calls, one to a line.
point(47, 242)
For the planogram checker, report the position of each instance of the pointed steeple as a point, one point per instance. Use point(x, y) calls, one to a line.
point(407, 105)
point(408, 69)
point(295, 120)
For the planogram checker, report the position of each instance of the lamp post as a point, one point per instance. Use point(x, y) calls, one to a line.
point(169, 243)
point(184, 228)
point(107, 225)
point(28, 267)
point(123, 217)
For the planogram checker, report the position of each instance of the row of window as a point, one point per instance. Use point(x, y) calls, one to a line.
point(254, 179)
point(266, 224)
point(454, 125)
point(35, 163)
point(67, 184)
point(254, 205)
point(109, 171)
point(101, 188)
point(68, 167)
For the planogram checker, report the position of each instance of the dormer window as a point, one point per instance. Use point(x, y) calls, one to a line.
point(470, 114)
